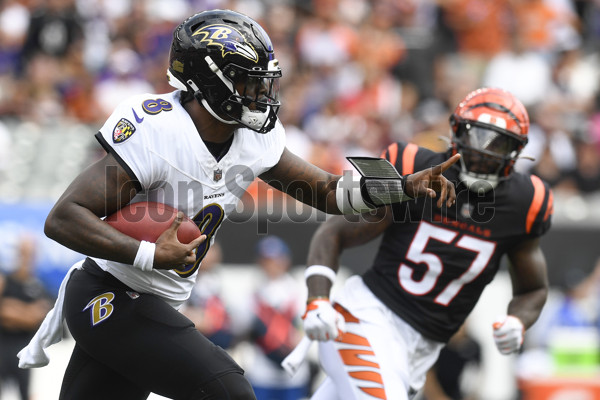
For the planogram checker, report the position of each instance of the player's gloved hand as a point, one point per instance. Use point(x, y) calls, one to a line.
point(322, 322)
point(508, 334)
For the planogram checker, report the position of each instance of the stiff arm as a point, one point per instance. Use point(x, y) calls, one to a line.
point(317, 188)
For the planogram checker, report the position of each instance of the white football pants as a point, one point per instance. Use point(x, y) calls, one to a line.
point(379, 357)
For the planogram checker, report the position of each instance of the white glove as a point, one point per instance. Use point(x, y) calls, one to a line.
point(322, 322)
point(508, 334)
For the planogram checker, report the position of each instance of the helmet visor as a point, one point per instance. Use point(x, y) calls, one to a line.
point(255, 98)
point(257, 89)
point(486, 150)
point(492, 141)
point(259, 93)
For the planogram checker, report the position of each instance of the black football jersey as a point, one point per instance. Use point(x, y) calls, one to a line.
point(433, 263)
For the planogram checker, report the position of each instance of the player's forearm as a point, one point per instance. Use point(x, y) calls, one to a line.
point(303, 181)
point(527, 307)
point(77, 228)
point(318, 193)
point(529, 280)
point(325, 247)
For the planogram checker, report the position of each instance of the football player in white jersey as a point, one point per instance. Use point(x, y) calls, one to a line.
point(195, 149)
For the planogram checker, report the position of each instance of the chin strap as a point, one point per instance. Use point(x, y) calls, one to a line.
point(253, 119)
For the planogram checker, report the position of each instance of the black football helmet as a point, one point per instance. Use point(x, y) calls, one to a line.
point(226, 60)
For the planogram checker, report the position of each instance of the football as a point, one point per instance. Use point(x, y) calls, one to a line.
point(148, 220)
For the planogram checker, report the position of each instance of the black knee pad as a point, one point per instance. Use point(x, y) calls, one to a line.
point(232, 386)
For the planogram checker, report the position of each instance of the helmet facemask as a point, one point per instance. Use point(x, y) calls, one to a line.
point(254, 101)
point(487, 154)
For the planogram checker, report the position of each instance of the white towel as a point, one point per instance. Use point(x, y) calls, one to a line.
point(49, 332)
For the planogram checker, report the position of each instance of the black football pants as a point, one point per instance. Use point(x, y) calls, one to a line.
point(129, 344)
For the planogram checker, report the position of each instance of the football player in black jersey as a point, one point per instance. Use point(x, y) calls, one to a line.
point(433, 263)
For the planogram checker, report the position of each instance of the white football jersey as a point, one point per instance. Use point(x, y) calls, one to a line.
point(154, 139)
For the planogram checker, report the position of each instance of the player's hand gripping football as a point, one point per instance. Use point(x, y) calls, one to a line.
point(170, 252)
point(430, 181)
point(322, 322)
point(508, 334)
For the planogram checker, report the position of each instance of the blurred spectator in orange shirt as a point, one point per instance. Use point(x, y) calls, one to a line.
point(533, 22)
point(481, 26)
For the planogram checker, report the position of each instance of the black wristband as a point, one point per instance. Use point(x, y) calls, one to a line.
point(404, 185)
point(382, 192)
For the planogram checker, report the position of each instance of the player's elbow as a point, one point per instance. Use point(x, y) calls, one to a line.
point(51, 226)
point(543, 293)
point(54, 223)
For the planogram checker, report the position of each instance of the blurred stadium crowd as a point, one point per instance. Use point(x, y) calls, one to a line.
point(358, 74)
